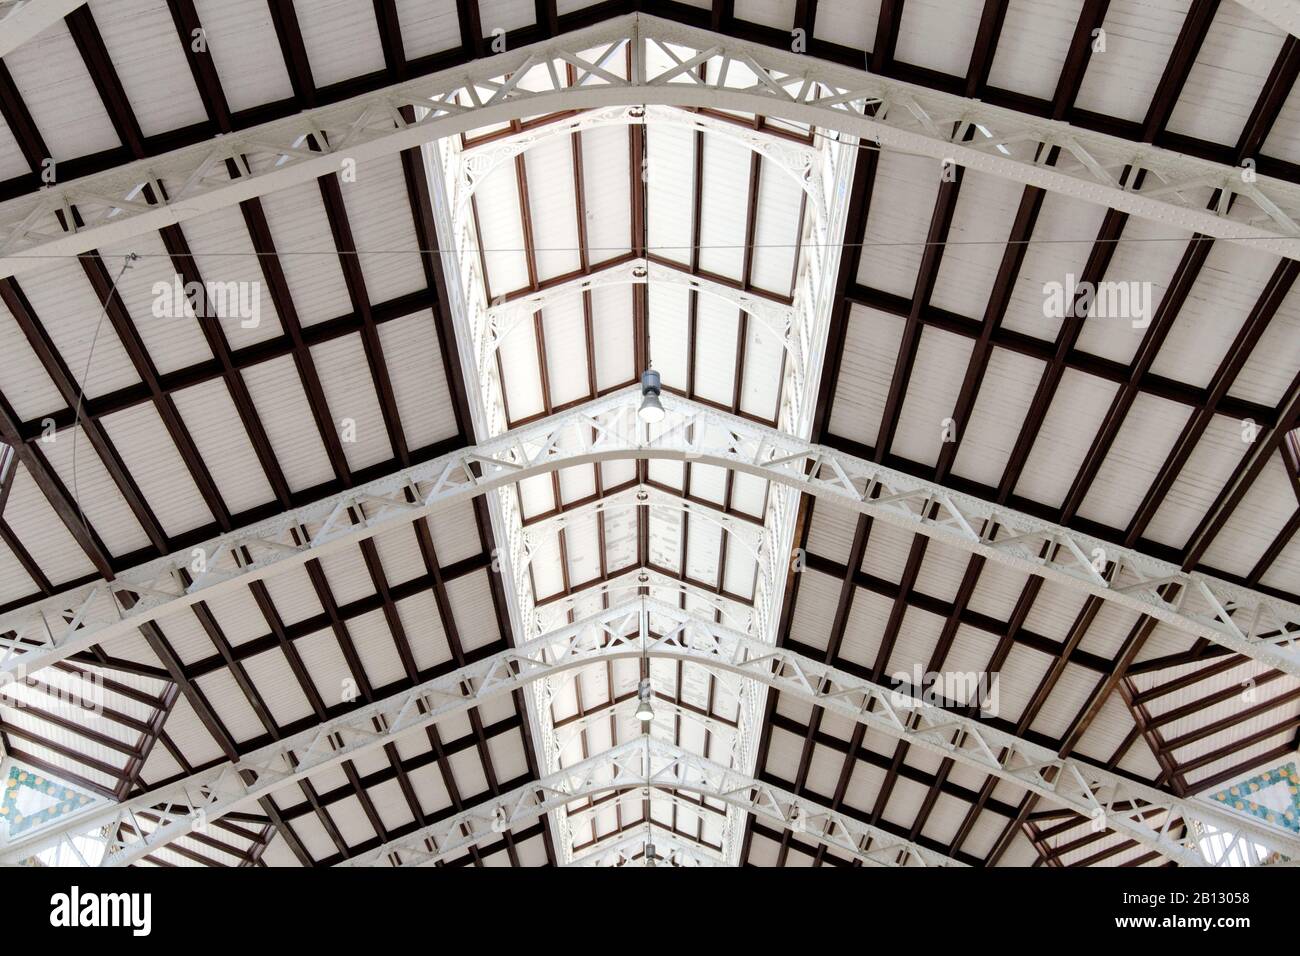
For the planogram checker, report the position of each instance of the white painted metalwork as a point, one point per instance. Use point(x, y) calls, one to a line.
point(1136, 810)
point(554, 614)
point(645, 761)
point(568, 736)
point(499, 321)
point(742, 76)
point(20, 20)
point(629, 850)
point(798, 160)
point(824, 171)
point(1235, 617)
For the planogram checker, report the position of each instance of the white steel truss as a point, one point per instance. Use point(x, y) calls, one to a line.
point(1168, 824)
point(20, 20)
point(646, 762)
point(567, 736)
point(554, 614)
point(742, 76)
point(744, 532)
point(1244, 621)
point(500, 320)
point(635, 800)
point(798, 160)
point(629, 850)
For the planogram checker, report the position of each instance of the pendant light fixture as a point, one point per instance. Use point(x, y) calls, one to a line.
point(644, 710)
point(651, 411)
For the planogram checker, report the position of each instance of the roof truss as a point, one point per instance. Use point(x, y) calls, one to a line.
point(1175, 189)
point(644, 627)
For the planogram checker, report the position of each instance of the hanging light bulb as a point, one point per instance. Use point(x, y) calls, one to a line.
point(649, 854)
point(644, 710)
point(798, 822)
point(651, 411)
point(499, 822)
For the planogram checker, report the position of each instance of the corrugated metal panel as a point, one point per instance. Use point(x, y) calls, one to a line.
point(411, 352)
point(377, 649)
point(717, 324)
point(473, 610)
point(383, 229)
point(1229, 73)
point(850, 24)
point(1066, 702)
point(607, 180)
point(552, 205)
point(1005, 393)
point(867, 367)
point(1140, 36)
point(428, 26)
point(1063, 238)
point(12, 161)
point(1078, 408)
point(147, 54)
point(271, 674)
point(776, 233)
point(1226, 290)
point(238, 616)
point(1263, 511)
point(154, 463)
point(346, 575)
point(282, 406)
point(1029, 56)
point(669, 175)
point(72, 121)
point(292, 595)
point(506, 15)
point(939, 34)
point(342, 40)
point(186, 731)
point(390, 804)
point(668, 333)
point(501, 231)
point(242, 42)
point(611, 320)
point(521, 377)
point(981, 223)
point(724, 205)
point(1149, 253)
point(185, 635)
point(307, 255)
point(213, 422)
point(564, 332)
point(399, 554)
point(1055, 610)
point(26, 387)
point(454, 532)
point(350, 392)
point(577, 483)
point(103, 505)
point(61, 298)
point(1207, 473)
point(223, 252)
point(901, 202)
point(1140, 448)
point(1020, 676)
point(230, 705)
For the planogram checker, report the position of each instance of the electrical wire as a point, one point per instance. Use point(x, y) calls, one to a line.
point(687, 247)
point(127, 262)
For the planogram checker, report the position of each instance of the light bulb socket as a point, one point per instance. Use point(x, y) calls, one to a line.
point(651, 410)
point(644, 709)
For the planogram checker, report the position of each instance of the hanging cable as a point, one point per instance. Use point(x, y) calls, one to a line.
point(129, 260)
